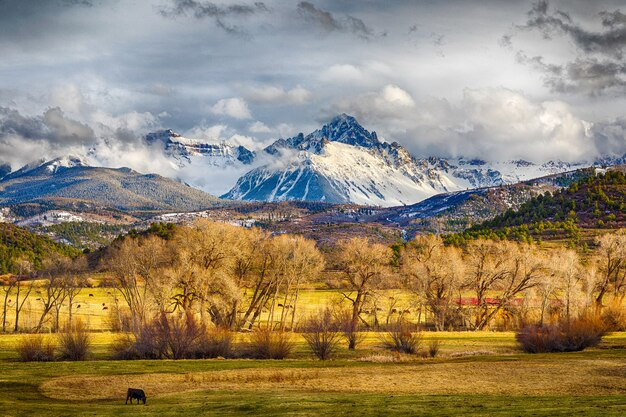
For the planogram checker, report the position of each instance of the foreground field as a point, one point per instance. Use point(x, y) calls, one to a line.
point(458, 383)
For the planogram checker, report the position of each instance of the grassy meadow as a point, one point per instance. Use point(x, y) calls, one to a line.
point(476, 373)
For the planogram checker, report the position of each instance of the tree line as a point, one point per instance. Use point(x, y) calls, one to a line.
point(234, 278)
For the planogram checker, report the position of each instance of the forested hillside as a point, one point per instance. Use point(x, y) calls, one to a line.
point(17, 244)
point(591, 203)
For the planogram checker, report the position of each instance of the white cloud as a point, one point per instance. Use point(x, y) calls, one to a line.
point(391, 102)
point(235, 107)
point(488, 123)
point(397, 96)
point(259, 127)
point(134, 121)
point(342, 73)
point(271, 94)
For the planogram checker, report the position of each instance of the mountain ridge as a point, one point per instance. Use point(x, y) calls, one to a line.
point(70, 179)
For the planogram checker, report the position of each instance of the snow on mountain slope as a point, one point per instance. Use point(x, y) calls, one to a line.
point(342, 162)
point(186, 151)
point(488, 174)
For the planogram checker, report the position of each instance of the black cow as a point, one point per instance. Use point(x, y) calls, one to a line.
point(135, 393)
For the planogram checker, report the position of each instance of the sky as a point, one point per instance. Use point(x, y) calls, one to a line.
point(499, 80)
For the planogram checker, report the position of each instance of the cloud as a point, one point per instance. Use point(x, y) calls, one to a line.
point(237, 108)
point(489, 123)
point(342, 73)
point(52, 127)
point(389, 102)
point(26, 138)
point(259, 127)
point(599, 67)
point(609, 41)
point(271, 94)
point(219, 13)
point(329, 23)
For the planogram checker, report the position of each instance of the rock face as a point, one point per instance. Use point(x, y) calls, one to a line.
point(186, 151)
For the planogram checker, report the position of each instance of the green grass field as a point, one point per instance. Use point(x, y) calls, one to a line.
point(476, 374)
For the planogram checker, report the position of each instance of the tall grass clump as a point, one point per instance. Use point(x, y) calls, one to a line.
point(36, 348)
point(322, 334)
point(270, 344)
point(403, 337)
point(75, 342)
point(215, 343)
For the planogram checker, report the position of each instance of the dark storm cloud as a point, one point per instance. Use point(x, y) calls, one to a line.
point(330, 23)
point(599, 67)
point(610, 137)
point(52, 127)
point(610, 41)
point(209, 10)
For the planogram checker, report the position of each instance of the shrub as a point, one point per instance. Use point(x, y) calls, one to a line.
point(269, 344)
point(322, 334)
point(574, 336)
point(35, 348)
point(215, 343)
point(401, 338)
point(351, 331)
point(75, 342)
point(433, 348)
point(125, 348)
point(172, 336)
point(179, 334)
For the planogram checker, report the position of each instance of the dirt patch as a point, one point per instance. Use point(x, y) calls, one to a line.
point(565, 377)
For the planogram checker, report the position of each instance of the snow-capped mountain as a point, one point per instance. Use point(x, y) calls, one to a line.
point(69, 181)
point(344, 163)
point(49, 167)
point(185, 151)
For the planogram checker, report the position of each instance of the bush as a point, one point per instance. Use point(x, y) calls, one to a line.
point(179, 334)
point(433, 348)
point(322, 334)
point(574, 336)
point(351, 331)
point(125, 348)
point(269, 344)
point(215, 343)
point(402, 339)
point(172, 336)
point(35, 348)
point(75, 342)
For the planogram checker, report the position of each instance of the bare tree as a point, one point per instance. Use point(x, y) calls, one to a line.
point(52, 291)
point(505, 267)
point(133, 263)
point(24, 266)
point(297, 261)
point(569, 277)
point(74, 282)
point(612, 266)
point(8, 284)
point(365, 266)
point(203, 263)
point(433, 272)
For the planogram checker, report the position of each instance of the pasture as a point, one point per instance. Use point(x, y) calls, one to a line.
point(479, 373)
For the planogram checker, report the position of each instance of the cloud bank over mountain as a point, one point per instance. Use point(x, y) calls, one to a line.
point(533, 80)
